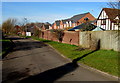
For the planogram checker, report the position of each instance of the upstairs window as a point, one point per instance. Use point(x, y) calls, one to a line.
point(103, 22)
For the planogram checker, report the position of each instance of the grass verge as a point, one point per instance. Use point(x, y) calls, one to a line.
point(6, 47)
point(104, 60)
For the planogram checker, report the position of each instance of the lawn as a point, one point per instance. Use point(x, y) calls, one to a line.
point(6, 46)
point(104, 60)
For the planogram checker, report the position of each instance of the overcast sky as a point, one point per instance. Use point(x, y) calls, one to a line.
point(48, 11)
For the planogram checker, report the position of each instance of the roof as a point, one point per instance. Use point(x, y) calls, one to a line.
point(73, 19)
point(112, 13)
point(39, 24)
point(46, 26)
point(98, 29)
point(57, 22)
point(66, 20)
point(94, 21)
point(17, 26)
point(77, 17)
point(47, 23)
point(84, 27)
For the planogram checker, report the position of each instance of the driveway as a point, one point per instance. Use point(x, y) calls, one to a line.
point(34, 61)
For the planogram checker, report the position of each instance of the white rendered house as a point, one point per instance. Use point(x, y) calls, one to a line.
point(109, 19)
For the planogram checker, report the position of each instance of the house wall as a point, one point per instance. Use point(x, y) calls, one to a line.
point(23, 33)
point(28, 33)
point(115, 26)
point(67, 24)
point(54, 26)
point(70, 23)
point(108, 39)
point(43, 27)
point(50, 27)
point(61, 25)
point(89, 16)
point(103, 15)
point(58, 27)
point(109, 25)
point(73, 24)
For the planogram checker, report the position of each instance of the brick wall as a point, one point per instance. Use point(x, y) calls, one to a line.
point(70, 37)
point(108, 39)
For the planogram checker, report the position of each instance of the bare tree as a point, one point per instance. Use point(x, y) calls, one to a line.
point(23, 24)
point(0, 27)
point(8, 25)
point(114, 4)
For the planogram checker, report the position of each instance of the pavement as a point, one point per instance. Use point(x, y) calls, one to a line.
point(36, 62)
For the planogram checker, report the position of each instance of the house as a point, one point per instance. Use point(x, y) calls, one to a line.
point(48, 25)
point(17, 29)
point(51, 26)
point(56, 24)
point(31, 28)
point(79, 19)
point(109, 19)
point(73, 21)
point(87, 26)
point(65, 23)
point(45, 26)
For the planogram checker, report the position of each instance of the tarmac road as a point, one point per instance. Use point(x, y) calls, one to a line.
point(34, 61)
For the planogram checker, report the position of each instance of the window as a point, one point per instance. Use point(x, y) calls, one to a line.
point(117, 22)
point(103, 22)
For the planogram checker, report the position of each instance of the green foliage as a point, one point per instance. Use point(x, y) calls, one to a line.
point(43, 40)
point(87, 26)
point(6, 45)
point(104, 60)
point(0, 27)
point(28, 37)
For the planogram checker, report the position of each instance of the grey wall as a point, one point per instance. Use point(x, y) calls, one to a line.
point(108, 39)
